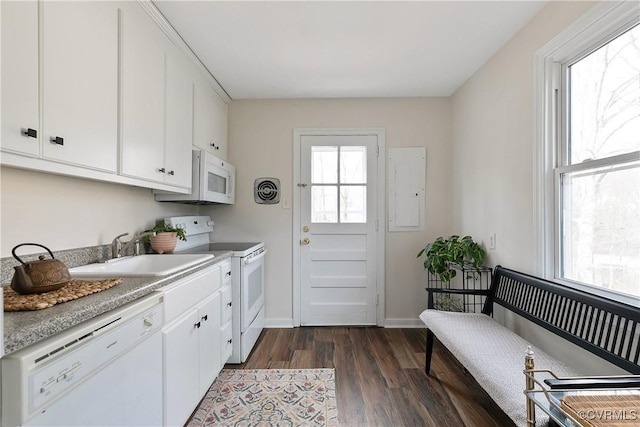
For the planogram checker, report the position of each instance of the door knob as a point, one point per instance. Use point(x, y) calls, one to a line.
point(305, 241)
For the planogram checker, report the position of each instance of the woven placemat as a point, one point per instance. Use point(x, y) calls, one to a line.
point(610, 410)
point(73, 290)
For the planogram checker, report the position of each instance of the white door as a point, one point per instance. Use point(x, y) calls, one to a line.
point(338, 183)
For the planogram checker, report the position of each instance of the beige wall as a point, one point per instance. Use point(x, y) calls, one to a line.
point(261, 145)
point(492, 127)
point(63, 213)
point(493, 148)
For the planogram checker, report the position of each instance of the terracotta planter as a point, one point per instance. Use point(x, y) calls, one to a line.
point(164, 242)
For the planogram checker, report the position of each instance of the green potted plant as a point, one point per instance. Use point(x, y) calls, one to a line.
point(166, 238)
point(442, 253)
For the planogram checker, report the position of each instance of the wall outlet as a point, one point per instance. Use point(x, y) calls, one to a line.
point(492, 241)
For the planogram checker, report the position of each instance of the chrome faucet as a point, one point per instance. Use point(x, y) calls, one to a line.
point(118, 247)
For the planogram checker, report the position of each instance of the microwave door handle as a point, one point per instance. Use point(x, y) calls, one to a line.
point(255, 258)
point(229, 185)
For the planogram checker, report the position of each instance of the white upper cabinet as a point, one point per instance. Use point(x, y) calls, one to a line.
point(80, 83)
point(104, 90)
point(209, 119)
point(143, 82)
point(179, 121)
point(157, 103)
point(20, 77)
point(72, 49)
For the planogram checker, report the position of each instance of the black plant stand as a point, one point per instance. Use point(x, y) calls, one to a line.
point(467, 277)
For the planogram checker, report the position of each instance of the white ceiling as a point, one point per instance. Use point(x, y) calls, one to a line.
point(340, 49)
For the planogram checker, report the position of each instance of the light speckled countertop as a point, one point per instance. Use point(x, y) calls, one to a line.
point(24, 328)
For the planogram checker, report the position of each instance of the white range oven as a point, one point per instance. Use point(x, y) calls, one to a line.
point(247, 279)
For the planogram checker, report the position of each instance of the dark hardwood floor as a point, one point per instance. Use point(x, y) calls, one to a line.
point(380, 378)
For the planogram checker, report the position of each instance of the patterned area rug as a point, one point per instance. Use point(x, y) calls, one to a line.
point(269, 397)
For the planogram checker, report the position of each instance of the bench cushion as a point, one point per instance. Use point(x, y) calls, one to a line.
point(494, 356)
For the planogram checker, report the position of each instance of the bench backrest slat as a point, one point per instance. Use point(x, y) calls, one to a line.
point(602, 326)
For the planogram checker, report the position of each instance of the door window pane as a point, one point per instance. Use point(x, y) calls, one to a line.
point(353, 203)
point(353, 165)
point(324, 203)
point(604, 100)
point(324, 165)
point(601, 227)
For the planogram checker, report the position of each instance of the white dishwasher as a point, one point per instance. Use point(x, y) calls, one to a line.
point(106, 371)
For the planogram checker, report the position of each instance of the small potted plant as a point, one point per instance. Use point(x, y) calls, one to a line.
point(441, 254)
point(166, 238)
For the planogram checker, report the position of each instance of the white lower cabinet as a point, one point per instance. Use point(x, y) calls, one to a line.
point(181, 368)
point(226, 313)
point(209, 345)
point(192, 359)
point(194, 341)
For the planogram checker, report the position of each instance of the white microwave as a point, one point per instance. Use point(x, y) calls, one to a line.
point(213, 181)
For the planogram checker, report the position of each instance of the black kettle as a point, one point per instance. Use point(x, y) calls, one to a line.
point(43, 275)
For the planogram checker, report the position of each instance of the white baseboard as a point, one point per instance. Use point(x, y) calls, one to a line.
point(403, 323)
point(278, 323)
point(389, 323)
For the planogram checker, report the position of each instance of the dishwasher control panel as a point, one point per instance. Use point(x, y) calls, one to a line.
point(42, 376)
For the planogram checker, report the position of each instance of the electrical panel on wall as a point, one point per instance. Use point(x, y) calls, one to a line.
point(266, 191)
point(406, 176)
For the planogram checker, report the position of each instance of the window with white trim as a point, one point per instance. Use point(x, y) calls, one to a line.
point(592, 164)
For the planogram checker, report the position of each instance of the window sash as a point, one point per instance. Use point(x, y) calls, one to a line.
point(604, 21)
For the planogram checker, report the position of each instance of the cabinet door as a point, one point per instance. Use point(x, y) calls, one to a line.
point(209, 334)
point(225, 272)
point(226, 341)
point(143, 84)
point(80, 83)
point(179, 121)
point(209, 120)
point(19, 76)
point(227, 308)
point(181, 368)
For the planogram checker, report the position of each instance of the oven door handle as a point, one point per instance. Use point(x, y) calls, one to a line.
point(248, 261)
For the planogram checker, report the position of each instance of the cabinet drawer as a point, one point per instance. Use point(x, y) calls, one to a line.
point(226, 346)
point(227, 309)
point(225, 273)
point(188, 292)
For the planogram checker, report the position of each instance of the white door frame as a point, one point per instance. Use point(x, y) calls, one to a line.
point(298, 133)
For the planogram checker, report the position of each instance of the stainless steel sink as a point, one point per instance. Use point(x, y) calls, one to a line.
point(140, 266)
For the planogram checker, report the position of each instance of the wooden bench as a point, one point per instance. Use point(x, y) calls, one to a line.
point(493, 354)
